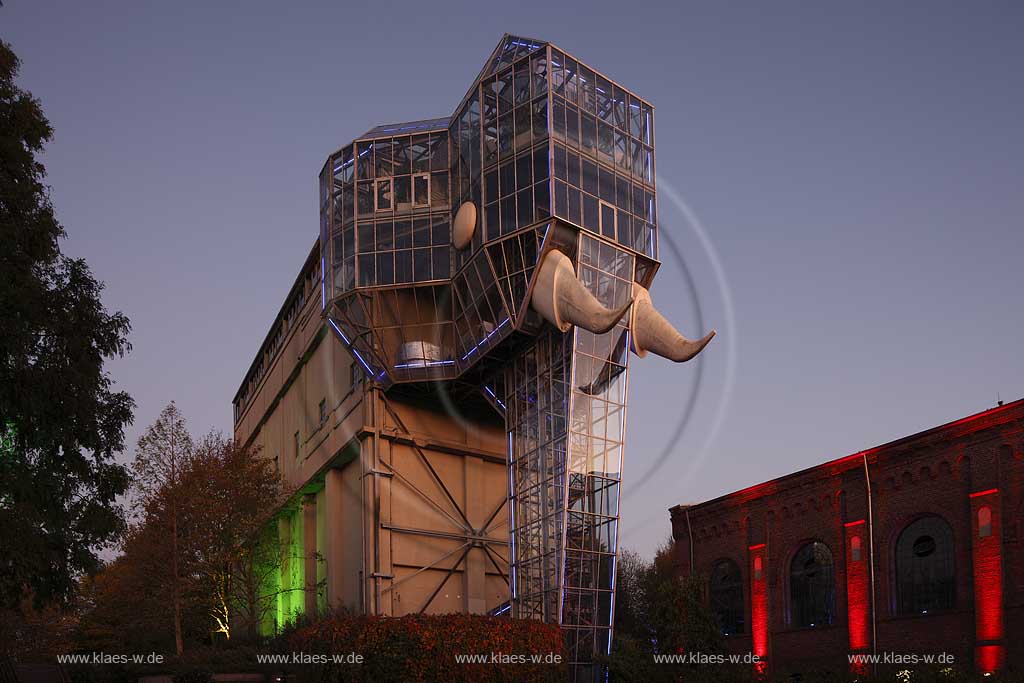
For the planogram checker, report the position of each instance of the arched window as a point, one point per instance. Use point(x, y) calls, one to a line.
point(812, 598)
point(727, 596)
point(924, 567)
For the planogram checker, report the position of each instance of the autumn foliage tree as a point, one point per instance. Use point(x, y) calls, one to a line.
point(164, 453)
point(231, 553)
point(197, 559)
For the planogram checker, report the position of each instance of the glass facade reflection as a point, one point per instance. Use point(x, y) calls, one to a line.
point(553, 155)
point(566, 412)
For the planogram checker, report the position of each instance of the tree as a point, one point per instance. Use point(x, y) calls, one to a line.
point(59, 418)
point(164, 454)
point(236, 552)
point(656, 612)
point(202, 554)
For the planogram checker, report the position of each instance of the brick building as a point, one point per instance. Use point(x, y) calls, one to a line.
point(912, 547)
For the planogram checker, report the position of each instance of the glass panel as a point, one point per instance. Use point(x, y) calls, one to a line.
point(364, 160)
point(439, 189)
point(403, 234)
point(557, 74)
point(384, 195)
point(385, 235)
point(366, 241)
point(522, 81)
point(607, 220)
point(439, 230)
point(421, 232)
point(619, 97)
point(419, 151)
point(402, 156)
point(421, 265)
point(605, 104)
point(403, 193)
point(382, 158)
point(540, 163)
point(366, 270)
point(539, 68)
point(572, 125)
point(385, 268)
point(570, 67)
point(540, 119)
point(588, 101)
point(403, 266)
point(558, 118)
point(591, 219)
point(440, 262)
point(588, 133)
point(421, 190)
point(438, 152)
point(364, 197)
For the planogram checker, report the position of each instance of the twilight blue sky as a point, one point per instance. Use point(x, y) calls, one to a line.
point(857, 167)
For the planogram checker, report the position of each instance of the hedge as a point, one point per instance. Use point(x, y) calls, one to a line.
point(424, 648)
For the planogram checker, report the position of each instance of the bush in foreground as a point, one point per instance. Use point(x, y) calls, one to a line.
point(427, 648)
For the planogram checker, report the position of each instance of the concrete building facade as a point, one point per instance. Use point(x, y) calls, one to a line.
point(396, 508)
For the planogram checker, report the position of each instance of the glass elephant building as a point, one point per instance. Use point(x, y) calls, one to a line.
point(503, 256)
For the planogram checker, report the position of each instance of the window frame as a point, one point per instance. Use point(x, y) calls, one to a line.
point(737, 591)
point(415, 203)
point(908, 605)
point(795, 612)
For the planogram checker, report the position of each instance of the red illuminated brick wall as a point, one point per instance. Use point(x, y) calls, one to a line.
point(934, 472)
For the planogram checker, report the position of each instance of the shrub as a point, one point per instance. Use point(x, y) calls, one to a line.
point(425, 647)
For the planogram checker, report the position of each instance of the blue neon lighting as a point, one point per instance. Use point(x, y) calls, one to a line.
point(498, 400)
point(485, 339)
point(351, 348)
point(424, 364)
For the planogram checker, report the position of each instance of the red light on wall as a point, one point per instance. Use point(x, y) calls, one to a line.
point(857, 590)
point(986, 552)
point(989, 658)
point(854, 523)
point(758, 602)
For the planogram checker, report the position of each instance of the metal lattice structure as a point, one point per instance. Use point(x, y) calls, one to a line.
point(524, 295)
point(566, 406)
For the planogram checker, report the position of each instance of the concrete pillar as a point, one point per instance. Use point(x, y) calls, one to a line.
point(284, 540)
point(309, 553)
point(334, 491)
point(321, 552)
